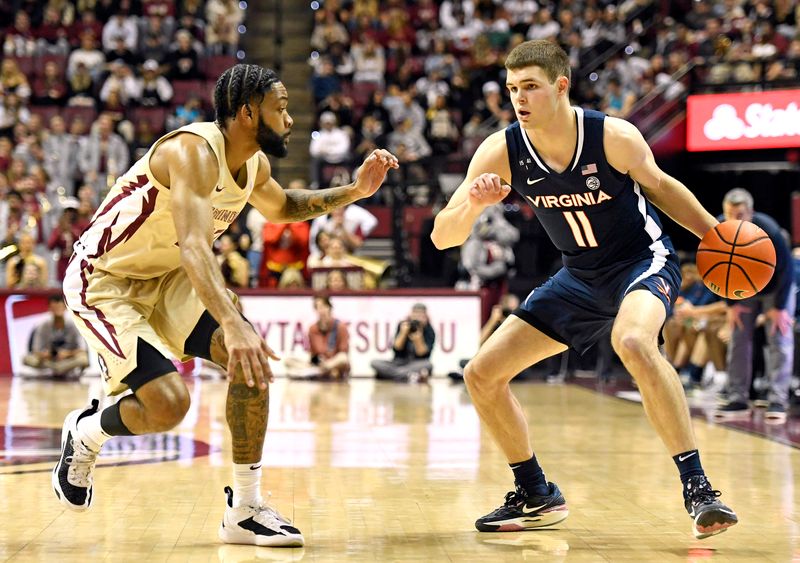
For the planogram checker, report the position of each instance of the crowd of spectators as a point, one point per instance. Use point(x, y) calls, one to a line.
point(85, 87)
point(425, 78)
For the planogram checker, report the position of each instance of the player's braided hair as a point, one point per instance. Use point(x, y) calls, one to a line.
point(239, 85)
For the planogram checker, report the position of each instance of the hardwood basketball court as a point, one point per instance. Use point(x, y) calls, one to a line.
point(375, 471)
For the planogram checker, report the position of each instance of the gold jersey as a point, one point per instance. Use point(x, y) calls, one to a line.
point(132, 234)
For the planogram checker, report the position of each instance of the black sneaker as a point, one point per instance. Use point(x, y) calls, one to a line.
point(72, 475)
point(735, 410)
point(761, 401)
point(710, 516)
point(776, 413)
point(523, 512)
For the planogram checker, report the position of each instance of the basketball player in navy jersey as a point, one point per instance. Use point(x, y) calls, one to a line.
point(594, 183)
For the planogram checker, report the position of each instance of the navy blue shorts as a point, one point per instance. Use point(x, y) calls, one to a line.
point(578, 312)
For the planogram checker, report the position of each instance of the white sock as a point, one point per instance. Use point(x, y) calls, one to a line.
point(246, 484)
point(92, 433)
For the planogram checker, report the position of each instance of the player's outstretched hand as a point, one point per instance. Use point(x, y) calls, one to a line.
point(372, 172)
point(487, 189)
point(248, 351)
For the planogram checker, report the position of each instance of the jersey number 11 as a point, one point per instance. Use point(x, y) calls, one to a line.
point(585, 238)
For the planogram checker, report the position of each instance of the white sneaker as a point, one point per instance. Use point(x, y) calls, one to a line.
point(72, 475)
point(257, 525)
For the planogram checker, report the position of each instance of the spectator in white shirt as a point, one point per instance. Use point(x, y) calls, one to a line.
point(450, 10)
point(122, 26)
point(432, 87)
point(520, 14)
point(153, 90)
point(368, 61)
point(88, 54)
point(122, 80)
point(545, 26)
point(329, 145)
point(352, 224)
point(406, 107)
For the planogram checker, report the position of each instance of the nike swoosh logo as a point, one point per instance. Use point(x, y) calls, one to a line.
point(219, 189)
point(685, 457)
point(527, 510)
point(254, 467)
point(532, 182)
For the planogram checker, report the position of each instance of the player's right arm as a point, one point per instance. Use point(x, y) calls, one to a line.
point(485, 184)
point(190, 169)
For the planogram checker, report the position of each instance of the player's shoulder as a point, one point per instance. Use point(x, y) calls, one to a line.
point(180, 152)
point(183, 143)
point(620, 131)
point(493, 145)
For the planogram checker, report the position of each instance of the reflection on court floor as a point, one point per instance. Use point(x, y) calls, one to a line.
point(374, 471)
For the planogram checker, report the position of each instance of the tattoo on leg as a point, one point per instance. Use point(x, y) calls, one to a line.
point(247, 410)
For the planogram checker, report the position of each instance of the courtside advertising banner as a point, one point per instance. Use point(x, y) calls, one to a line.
point(283, 321)
point(751, 120)
point(372, 321)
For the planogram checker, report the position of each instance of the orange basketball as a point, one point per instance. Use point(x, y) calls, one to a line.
point(736, 259)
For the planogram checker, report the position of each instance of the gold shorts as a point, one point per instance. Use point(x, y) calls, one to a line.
point(113, 313)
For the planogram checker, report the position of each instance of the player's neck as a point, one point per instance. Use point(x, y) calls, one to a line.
point(237, 149)
point(556, 135)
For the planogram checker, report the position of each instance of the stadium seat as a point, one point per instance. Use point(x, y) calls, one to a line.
point(215, 65)
point(208, 93)
point(25, 64)
point(45, 112)
point(362, 92)
point(185, 88)
point(156, 116)
point(88, 114)
point(60, 60)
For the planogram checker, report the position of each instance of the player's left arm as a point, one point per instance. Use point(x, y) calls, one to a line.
point(628, 152)
point(286, 206)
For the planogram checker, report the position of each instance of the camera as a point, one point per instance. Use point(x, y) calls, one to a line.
point(413, 325)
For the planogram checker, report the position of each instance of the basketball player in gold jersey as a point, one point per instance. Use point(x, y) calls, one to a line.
point(144, 285)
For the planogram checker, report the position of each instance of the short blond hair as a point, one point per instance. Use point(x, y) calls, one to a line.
point(548, 56)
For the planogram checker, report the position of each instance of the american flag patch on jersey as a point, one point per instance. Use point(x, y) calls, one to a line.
point(589, 169)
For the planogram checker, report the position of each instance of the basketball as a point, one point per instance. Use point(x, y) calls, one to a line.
point(736, 259)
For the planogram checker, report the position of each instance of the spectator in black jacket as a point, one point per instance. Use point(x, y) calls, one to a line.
point(413, 344)
point(777, 304)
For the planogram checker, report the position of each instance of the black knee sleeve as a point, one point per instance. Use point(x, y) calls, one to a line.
point(199, 342)
point(111, 422)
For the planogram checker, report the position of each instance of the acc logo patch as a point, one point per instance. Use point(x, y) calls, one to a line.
point(592, 182)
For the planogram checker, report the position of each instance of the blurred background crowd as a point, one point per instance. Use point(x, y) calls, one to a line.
point(86, 86)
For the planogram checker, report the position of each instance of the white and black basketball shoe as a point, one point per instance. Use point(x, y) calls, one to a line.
point(72, 475)
point(709, 515)
point(524, 512)
point(257, 525)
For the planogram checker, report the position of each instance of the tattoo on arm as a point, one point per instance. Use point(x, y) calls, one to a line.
point(217, 350)
point(307, 204)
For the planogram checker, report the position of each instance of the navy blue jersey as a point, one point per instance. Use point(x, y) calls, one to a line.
point(596, 216)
